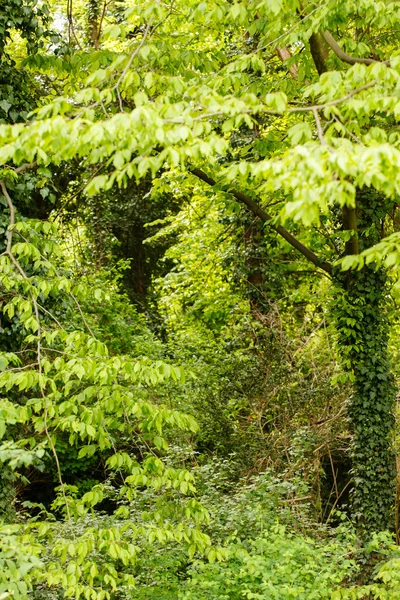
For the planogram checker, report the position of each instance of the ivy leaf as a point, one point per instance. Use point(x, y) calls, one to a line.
point(5, 105)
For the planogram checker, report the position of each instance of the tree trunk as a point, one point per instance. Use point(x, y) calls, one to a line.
point(362, 326)
point(363, 331)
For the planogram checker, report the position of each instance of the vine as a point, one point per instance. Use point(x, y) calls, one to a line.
point(363, 327)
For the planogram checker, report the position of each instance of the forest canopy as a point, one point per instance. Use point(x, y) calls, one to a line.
point(199, 285)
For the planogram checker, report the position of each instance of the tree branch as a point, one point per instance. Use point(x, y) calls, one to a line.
point(134, 53)
point(351, 60)
point(319, 128)
point(259, 212)
point(284, 54)
point(11, 208)
point(25, 166)
point(10, 204)
point(267, 111)
point(319, 52)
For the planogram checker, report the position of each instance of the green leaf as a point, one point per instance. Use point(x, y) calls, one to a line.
point(5, 105)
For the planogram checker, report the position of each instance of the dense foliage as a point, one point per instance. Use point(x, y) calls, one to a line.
point(199, 255)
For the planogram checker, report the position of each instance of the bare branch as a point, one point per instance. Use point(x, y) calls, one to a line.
point(351, 60)
point(12, 215)
point(121, 106)
point(25, 166)
point(319, 128)
point(259, 212)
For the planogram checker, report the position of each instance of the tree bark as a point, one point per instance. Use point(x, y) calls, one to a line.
point(319, 52)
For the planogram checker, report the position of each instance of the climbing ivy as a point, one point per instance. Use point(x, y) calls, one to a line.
point(363, 333)
point(361, 311)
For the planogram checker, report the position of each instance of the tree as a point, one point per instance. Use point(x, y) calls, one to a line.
point(167, 91)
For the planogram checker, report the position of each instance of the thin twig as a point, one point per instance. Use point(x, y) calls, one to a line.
point(295, 500)
point(351, 134)
point(337, 500)
point(134, 54)
point(71, 27)
point(288, 31)
point(35, 364)
point(12, 216)
point(121, 106)
point(82, 315)
point(333, 473)
point(100, 24)
point(319, 128)
point(50, 315)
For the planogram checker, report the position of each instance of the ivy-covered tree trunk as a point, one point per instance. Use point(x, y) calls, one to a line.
point(363, 332)
point(362, 325)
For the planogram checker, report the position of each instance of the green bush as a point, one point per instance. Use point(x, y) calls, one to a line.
point(277, 564)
